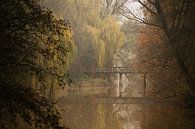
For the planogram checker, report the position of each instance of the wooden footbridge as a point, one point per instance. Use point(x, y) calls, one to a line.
point(115, 70)
point(120, 71)
point(117, 99)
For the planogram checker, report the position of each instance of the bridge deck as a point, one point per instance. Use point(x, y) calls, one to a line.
point(115, 70)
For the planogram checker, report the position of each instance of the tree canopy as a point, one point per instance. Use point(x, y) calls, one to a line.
point(97, 38)
point(34, 45)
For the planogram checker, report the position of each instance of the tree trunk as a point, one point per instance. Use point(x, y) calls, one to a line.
point(182, 67)
point(171, 42)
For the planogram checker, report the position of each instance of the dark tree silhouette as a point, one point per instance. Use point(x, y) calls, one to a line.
point(175, 18)
point(26, 32)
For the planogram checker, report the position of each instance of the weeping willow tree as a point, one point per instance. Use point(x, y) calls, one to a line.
point(113, 37)
point(93, 48)
point(97, 39)
point(106, 39)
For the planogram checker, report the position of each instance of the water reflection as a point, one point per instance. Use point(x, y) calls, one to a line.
point(88, 115)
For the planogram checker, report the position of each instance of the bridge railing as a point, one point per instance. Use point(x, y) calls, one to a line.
point(114, 70)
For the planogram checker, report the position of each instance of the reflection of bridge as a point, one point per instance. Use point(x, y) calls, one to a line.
point(116, 100)
point(120, 71)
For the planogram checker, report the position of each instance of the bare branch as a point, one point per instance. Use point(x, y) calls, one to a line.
point(162, 17)
point(149, 9)
point(130, 15)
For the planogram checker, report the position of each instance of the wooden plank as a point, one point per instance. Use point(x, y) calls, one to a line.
point(116, 70)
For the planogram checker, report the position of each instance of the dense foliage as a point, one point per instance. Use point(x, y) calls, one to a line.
point(98, 36)
point(161, 42)
point(174, 18)
point(35, 52)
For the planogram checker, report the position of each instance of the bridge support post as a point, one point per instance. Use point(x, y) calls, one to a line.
point(120, 85)
point(144, 85)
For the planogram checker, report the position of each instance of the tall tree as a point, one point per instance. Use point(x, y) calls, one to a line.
point(34, 46)
point(101, 37)
point(173, 18)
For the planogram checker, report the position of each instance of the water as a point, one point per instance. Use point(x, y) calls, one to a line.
point(90, 115)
